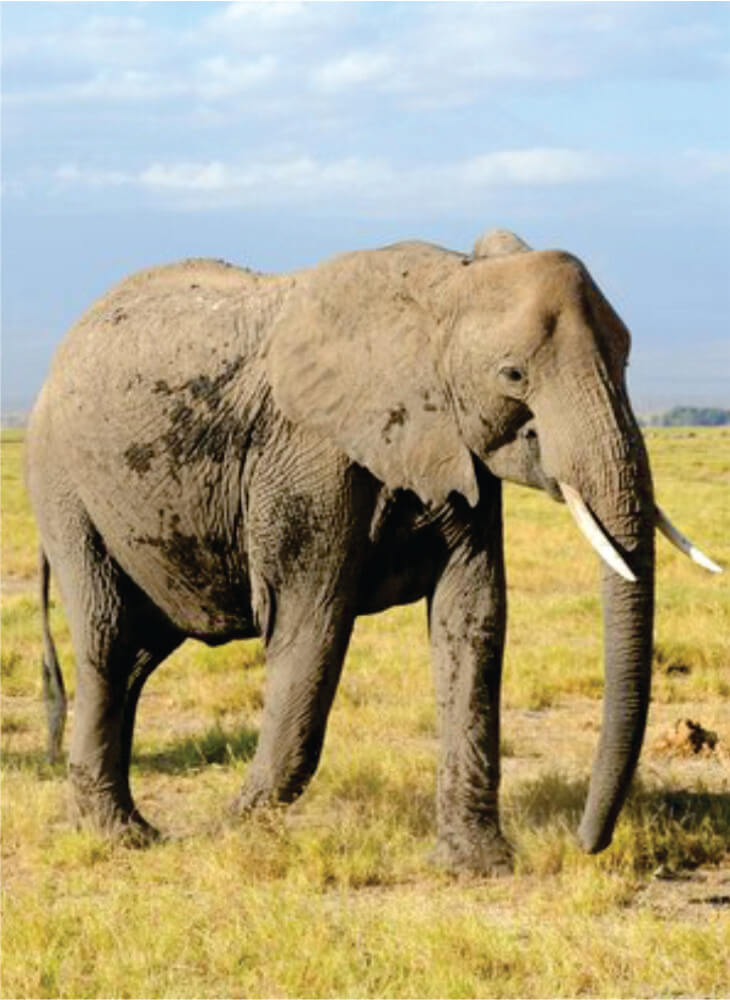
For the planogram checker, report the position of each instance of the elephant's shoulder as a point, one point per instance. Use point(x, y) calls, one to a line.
point(392, 263)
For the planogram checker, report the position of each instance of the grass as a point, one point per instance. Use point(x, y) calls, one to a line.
point(18, 548)
point(335, 896)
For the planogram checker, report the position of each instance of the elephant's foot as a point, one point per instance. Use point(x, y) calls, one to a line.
point(97, 804)
point(255, 799)
point(137, 832)
point(482, 852)
point(261, 791)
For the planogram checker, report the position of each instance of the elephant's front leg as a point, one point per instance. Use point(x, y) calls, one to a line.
point(306, 550)
point(467, 617)
point(304, 659)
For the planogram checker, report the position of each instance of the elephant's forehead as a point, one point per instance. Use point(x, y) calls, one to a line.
point(543, 281)
point(550, 275)
point(564, 291)
point(548, 300)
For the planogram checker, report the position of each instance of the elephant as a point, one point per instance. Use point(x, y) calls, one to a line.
point(221, 454)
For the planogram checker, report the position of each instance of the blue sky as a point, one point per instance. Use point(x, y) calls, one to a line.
point(275, 134)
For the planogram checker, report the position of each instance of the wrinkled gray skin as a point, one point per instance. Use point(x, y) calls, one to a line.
point(222, 454)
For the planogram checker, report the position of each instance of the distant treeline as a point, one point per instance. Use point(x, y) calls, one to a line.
point(14, 420)
point(689, 416)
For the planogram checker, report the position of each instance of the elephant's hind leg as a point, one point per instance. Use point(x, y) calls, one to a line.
point(119, 637)
point(113, 665)
point(159, 641)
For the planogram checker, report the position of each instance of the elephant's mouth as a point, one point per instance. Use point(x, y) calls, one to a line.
point(552, 488)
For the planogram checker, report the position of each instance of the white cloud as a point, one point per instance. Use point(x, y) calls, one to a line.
point(352, 69)
point(66, 57)
point(71, 174)
point(536, 167)
point(219, 76)
point(188, 177)
point(276, 181)
point(456, 49)
point(256, 100)
point(210, 79)
point(427, 54)
point(272, 16)
point(707, 163)
point(302, 179)
point(301, 30)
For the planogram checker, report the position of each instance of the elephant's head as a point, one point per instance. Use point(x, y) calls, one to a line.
point(419, 362)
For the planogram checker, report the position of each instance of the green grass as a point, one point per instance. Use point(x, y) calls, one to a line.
point(18, 549)
point(335, 896)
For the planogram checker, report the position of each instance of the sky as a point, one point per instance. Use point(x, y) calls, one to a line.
point(276, 134)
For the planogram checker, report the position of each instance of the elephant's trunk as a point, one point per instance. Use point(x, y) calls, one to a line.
point(628, 610)
point(609, 470)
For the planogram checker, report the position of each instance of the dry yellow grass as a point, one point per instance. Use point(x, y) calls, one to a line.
point(335, 896)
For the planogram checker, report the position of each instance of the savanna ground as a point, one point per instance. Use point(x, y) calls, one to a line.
point(335, 896)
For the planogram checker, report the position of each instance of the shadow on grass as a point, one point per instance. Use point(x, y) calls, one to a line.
point(548, 799)
point(216, 746)
point(36, 761)
point(679, 827)
point(373, 792)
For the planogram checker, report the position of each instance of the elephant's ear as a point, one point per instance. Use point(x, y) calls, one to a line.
point(352, 357)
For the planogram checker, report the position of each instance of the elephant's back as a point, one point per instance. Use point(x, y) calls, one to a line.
point(185, 327)
point(171, 316)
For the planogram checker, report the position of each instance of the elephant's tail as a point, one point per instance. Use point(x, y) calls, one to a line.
point(54, 690)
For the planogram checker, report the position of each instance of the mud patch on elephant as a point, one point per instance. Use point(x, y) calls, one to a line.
point(185, 551)
point(206, 422)
point(139, 457)
point(428, 404)
point(396, 418)
point(210, 390)
point(297, 517)
point(193, 437)
point(201, 566)
point(205, 425)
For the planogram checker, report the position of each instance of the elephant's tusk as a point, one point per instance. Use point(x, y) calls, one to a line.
point(683, 544)
point(595, 535)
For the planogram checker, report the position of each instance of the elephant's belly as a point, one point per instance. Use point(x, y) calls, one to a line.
point(405, 559)
point(388, 593)
point(180, 540)
point(196, 582)
point(394, 577)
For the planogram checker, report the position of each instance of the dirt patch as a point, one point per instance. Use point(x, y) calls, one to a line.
point(700, 896)
point(679, 749)
point(687, 739)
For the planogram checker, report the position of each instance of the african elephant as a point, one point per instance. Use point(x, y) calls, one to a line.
point(222, 454)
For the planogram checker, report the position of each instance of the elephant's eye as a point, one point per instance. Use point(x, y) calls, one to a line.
point(512, 374)
point(514, 381)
